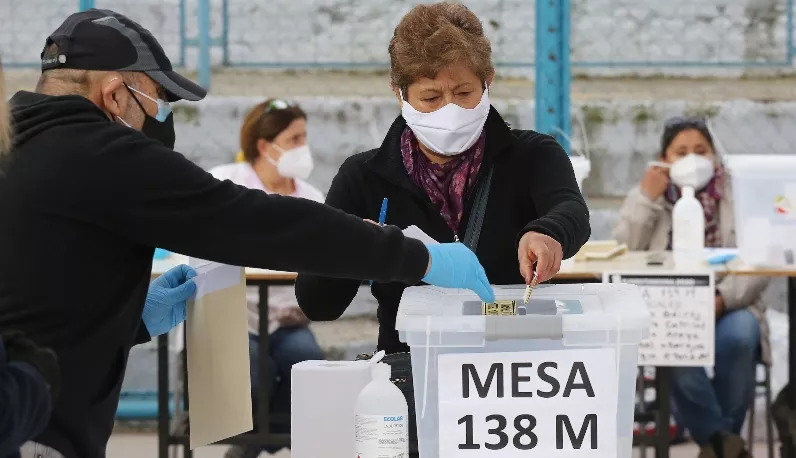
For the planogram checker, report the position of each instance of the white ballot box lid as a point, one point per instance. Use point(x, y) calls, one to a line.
point(578, 314)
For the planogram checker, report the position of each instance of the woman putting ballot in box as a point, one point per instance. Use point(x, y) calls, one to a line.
point(451, 166)
point(712, 410)
point(275, 159)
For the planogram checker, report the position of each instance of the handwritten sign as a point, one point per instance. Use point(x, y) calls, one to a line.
point(560, 403)
point(682, 309)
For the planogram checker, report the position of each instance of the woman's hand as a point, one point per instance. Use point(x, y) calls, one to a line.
point(539, 249)
point(654, 182)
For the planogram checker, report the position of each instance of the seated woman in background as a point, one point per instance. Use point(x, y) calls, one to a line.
point(277, 160)
point(447, 148)
point(712, 410)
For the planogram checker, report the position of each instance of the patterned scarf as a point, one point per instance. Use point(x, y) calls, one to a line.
point(709, 197)
point(445, 184)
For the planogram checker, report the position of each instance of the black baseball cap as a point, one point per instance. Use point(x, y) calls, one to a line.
point(104, 40)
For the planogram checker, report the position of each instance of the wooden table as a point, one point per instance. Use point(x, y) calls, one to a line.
point(262, 435)
point(636, 261)
point(580, 271)
point(252, 275)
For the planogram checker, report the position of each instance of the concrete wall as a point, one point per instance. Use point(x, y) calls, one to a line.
point(334, 31)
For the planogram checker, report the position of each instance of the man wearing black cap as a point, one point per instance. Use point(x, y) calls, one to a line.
point(92, 185)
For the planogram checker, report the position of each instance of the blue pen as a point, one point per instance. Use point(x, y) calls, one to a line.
point(383, 212)
point(382, 218)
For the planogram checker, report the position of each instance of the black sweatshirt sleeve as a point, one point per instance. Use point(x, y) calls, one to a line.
point(324, 298)
point(143, 191)
point(142, 335)
point(564, 215)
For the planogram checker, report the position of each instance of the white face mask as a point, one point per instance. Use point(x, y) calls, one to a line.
point(693, 170)
point(451, 130)
point(294, 163)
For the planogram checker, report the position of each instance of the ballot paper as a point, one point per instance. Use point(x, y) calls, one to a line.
point(219, 387)
point(416, 233)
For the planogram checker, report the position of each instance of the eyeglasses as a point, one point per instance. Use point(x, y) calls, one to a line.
point(278, 104)
point(681, 121)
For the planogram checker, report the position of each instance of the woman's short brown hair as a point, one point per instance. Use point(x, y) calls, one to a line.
point(431, 37)
point(266, 120)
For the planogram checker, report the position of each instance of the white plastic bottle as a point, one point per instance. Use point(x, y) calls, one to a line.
point(381, 424)
point(688, 231)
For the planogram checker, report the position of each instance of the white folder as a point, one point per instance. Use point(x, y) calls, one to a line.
point(219, 388)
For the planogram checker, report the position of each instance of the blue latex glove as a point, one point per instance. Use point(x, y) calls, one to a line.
point(165, 303)
point(453, 265)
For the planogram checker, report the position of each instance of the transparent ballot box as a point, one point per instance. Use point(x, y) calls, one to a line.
point(554, 376)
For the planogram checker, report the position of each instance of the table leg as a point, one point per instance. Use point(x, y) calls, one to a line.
point(791, 394)
point(263, 420)
point(186, 449)
point(163, 396)
point(642, 429)
point(662, 393)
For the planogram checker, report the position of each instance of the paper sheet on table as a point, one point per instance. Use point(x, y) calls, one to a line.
point(416, 233)
point(219, 387)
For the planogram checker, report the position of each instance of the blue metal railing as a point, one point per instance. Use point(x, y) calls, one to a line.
point(140, 405)
point(204, 43)
point(552, 69)
point(786, 61)
point(789, 31)
point(206, 13)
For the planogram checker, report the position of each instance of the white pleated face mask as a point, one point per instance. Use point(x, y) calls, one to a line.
point(693, 170)
point(450, 130)
point(294, 163)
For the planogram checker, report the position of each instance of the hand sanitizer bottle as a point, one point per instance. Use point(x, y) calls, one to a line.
point(381, 418)
point(688, 231)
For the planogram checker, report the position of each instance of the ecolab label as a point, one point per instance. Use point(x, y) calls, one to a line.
point(381, 436)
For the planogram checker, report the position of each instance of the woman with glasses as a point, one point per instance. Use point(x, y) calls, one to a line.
point(277, 160)
point(712, 410)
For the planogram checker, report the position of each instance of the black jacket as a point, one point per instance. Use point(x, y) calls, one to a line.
point(533, 189)
point(83, 203)
point(24, 404)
